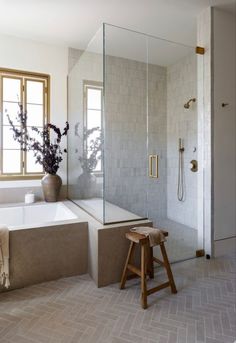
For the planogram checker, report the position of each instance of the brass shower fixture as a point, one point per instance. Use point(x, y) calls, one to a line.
point(187, 105)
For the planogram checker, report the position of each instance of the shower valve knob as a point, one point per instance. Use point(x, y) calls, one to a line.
point(194, 166)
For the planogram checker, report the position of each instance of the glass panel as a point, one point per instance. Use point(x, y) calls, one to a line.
point(31, 165)
point(12, 110)
point(98, 167)
point(93, 119)
point(94, 139)
point(34, 91)
point(85, 187)
point(35, 115)
point(8, 140)
point(172, 81)
point(94, 99)
point(11, 89)
point(11, 161)
point(125, 125)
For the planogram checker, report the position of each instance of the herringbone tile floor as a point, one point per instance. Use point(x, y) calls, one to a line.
point(73, 310)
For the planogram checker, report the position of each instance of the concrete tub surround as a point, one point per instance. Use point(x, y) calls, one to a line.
point(56, 247)
point(107, 247)
point(49, 253)
point(112, 252)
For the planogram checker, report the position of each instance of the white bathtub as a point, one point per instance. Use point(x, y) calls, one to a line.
point(16, 216)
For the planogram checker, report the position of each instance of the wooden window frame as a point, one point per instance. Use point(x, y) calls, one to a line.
point(93, 85)
point(24, 76)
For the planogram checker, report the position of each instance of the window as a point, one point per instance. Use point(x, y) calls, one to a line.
point(31, 90)
point(93, 117)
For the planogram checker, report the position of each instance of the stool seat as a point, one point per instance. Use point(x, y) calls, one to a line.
point(147, 265)
point(137, 237)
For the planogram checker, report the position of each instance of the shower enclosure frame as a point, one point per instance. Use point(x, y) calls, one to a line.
point(104, 52)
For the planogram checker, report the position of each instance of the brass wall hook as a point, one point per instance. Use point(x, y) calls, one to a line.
point(224, 104)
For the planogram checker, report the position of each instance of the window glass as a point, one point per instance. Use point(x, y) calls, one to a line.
point(30, 91)
point(34, 92)
point(94, 121)
point(8, 140)
point(11, 89)
point(12, 110)
point(31, 166)
point(35, 115)
point(11, 161)
point(94, 99)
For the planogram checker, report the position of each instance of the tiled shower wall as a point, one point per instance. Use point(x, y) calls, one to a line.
point(126, 126)
point(182, 123)
point(126, 155)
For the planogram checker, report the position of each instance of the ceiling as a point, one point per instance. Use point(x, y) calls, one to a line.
point(74, 22)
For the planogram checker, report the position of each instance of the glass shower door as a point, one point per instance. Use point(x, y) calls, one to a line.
point(173, 144)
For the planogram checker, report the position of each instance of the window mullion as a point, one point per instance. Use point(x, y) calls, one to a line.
point(45, 101)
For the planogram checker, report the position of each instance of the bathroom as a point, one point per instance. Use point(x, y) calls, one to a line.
point(141, 105)
point(150, 115)
point(146, 146)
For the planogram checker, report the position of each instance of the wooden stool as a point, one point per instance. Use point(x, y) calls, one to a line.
point(147, 265)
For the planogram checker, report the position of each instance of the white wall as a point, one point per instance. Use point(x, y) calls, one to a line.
point(32, 56)
point(224, 58)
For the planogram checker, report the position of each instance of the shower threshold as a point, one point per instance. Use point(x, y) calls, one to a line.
point(113, 213)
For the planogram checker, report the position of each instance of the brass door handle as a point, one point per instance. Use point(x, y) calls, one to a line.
point(194, 166)
point(153, 166)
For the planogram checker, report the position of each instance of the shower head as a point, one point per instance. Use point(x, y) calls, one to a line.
point(187, 105)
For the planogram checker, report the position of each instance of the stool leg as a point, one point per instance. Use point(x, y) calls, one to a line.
point(143, 277)
point(150, 263)
point(125, 271)
point(168, 268)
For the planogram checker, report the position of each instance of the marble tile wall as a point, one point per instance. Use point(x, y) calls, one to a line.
point(182, 123)
point(126, 124)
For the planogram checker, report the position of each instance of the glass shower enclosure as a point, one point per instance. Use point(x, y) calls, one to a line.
point(133, 109)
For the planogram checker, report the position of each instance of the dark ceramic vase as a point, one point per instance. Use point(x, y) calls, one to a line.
point(51, 185)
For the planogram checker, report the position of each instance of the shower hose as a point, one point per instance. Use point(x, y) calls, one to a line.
point(180, 191)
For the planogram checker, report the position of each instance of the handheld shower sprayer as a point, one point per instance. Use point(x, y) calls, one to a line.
point(181, 146)
point(187, 105)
